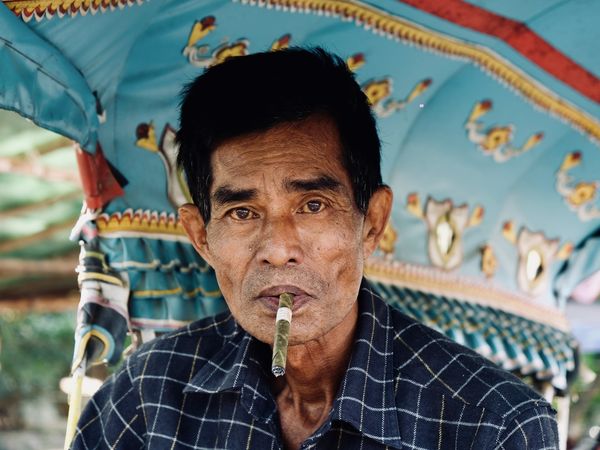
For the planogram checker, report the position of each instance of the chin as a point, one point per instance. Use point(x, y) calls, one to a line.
point(264, 331)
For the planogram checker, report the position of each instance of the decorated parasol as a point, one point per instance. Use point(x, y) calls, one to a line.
point(489, 116)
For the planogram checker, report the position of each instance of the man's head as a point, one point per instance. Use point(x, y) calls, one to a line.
point(282, 159)
point(257, 92)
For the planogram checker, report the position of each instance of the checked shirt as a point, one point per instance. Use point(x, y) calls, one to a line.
point(206, 386)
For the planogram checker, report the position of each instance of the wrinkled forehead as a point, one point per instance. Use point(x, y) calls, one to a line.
point(290, 148)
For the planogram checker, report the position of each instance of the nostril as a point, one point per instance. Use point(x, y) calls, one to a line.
point(275, 261)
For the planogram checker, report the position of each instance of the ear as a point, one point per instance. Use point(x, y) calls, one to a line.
point(195, 228)
point(378, 214)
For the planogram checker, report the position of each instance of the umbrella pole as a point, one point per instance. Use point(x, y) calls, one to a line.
point(74, 404)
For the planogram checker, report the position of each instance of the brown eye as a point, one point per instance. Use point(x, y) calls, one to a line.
point(313, 206)
point(241, 213)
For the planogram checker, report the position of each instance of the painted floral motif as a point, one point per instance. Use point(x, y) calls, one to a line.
point(282, 43)
point(489, 263)
point(446, 224)
point(496, 141)
point(355, 61)
point(204, 55)
point(536, 254)
point(379, 92)
point(177, 190)
point(201, 29)
point(580, 196)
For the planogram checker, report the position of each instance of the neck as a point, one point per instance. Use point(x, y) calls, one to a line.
point(314, 369)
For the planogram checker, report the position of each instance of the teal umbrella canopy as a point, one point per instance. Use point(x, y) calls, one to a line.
point(489, 116)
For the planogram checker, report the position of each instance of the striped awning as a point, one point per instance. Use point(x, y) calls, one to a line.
point(518, 344)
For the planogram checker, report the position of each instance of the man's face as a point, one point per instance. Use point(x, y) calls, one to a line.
point(283, 219)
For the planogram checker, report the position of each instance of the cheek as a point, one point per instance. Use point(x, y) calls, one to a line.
point(225, 246)
point(338, 247)
point(226, 254)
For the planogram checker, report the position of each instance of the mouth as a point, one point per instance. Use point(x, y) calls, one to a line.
point(270, 296)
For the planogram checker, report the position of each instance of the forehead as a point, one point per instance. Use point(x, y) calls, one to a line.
point(304, 147)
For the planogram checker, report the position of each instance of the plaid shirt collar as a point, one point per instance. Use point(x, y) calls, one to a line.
point(244, 366)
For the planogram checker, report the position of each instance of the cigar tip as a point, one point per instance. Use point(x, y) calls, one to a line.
point(278, 371)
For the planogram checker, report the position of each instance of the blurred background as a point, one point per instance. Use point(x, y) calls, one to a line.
point(40, 200)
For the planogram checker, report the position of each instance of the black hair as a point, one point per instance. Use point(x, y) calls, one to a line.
point(256, 92)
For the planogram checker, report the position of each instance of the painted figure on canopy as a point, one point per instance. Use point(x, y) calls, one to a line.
point(497, 140)
point(579, 196)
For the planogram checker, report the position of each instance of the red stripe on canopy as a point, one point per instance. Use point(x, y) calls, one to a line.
point(520, 37)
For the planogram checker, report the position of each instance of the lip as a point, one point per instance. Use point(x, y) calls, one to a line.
point(270, 296)
point(276, 291)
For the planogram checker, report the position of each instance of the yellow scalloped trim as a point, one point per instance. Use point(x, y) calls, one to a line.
point(48, 8)
point(438, 282)
point(177, 291)
point(381, 22)
point(140, 222)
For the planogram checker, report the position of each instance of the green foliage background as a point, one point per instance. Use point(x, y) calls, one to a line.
point(35, 353)
point(585, 409)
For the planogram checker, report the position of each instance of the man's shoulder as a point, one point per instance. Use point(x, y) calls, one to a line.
point(438, 365)
point(192, 344)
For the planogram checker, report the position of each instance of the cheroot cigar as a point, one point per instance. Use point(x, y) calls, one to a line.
point(282, 333)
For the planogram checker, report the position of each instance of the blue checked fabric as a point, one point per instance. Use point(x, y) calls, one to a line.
point(206, 386)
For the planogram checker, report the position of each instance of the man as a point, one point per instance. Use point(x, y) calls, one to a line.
point(282, 158)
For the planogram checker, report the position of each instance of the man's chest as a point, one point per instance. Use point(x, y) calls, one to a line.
point(228, 421)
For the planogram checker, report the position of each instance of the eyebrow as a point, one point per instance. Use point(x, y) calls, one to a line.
point(226, 194)
point(320, 183)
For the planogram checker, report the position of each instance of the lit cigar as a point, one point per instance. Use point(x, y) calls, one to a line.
point(282, 333)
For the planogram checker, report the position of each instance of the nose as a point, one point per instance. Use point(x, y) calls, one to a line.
point(280, 243)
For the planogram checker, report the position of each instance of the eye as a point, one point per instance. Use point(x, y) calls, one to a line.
point(241, 214)
point(312, 206)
